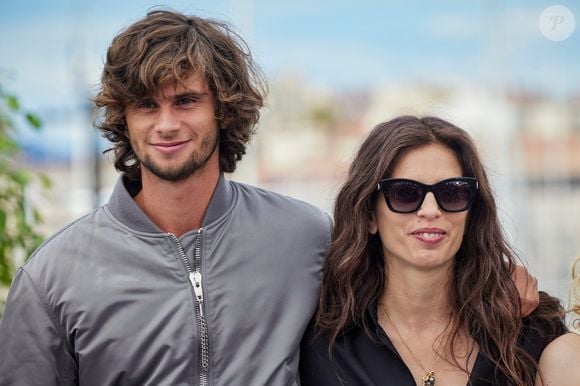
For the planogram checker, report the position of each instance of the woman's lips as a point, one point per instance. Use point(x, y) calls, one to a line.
point(430, 236)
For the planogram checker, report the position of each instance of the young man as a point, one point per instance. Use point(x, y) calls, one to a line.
point(183, 277)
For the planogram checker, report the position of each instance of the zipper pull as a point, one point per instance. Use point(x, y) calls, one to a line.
point(195, 279)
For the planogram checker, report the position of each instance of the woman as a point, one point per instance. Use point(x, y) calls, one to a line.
point(417, 286)
point(560, 361)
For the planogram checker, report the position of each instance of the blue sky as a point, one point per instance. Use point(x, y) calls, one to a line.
point(52, 51)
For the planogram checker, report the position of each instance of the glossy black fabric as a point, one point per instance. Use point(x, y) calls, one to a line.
point(358, 360)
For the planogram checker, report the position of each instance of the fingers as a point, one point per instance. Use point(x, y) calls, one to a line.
point(527, 286)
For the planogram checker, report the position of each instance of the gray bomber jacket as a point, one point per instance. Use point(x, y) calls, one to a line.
point(112, 300)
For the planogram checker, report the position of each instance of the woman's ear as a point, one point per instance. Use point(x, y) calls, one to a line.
point(373, 227)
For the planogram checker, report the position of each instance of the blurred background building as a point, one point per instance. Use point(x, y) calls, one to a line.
point(506, 71)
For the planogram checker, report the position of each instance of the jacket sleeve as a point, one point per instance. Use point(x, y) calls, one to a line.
point(32, 348)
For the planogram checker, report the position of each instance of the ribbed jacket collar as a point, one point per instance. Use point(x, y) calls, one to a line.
point(126, 210)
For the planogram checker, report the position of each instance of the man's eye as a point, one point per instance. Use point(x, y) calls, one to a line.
point(145, 105)
point(186, 101)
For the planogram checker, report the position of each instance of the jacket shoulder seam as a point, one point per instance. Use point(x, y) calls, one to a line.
point(52, 316)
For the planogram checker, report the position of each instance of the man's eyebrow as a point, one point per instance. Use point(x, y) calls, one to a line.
point(190, 94)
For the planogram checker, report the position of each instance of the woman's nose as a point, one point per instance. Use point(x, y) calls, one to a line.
point(429, 208)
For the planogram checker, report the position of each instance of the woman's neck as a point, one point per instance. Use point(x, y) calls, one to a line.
point(415, 312)
point(419, 298)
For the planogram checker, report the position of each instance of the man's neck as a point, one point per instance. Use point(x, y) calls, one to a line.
point(177, 206)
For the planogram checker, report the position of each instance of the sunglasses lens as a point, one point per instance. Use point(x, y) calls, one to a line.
point(404, 196)
point(454, 196)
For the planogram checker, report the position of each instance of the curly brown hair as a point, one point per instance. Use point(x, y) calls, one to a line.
point(485, 301)
point(165, 47)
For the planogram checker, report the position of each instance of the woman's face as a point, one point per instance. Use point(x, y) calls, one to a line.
point(428, 238)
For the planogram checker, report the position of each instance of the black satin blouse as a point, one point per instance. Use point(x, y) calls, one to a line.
point(358, 360)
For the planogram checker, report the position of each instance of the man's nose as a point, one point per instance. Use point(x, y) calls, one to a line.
point(167, 120)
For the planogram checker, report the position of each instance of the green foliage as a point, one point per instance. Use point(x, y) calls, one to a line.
point(18, 220)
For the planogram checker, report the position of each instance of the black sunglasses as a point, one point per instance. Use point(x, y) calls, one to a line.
point(406, 196)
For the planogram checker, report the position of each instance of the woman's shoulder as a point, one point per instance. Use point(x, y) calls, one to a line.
point(562, 346)
point(345, 362)
point(544, 325)
point(559, 363)
point(316, 365)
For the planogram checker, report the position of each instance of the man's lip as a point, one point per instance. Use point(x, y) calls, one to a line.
point(168, 144)
point(168, 147)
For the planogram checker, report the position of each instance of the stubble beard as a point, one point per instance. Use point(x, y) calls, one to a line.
point(196, 162)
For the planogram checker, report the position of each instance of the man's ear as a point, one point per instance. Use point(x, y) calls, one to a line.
point(223, 122)
point(373, 227)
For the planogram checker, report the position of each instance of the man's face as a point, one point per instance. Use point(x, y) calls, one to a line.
point(174, 133)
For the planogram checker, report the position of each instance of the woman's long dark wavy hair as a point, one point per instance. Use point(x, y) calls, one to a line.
point(166, 47)
point(485, 301)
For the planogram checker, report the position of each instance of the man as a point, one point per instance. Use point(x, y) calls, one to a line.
point(183, 278)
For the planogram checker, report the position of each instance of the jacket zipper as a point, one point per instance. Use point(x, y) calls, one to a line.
point(195, 278)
